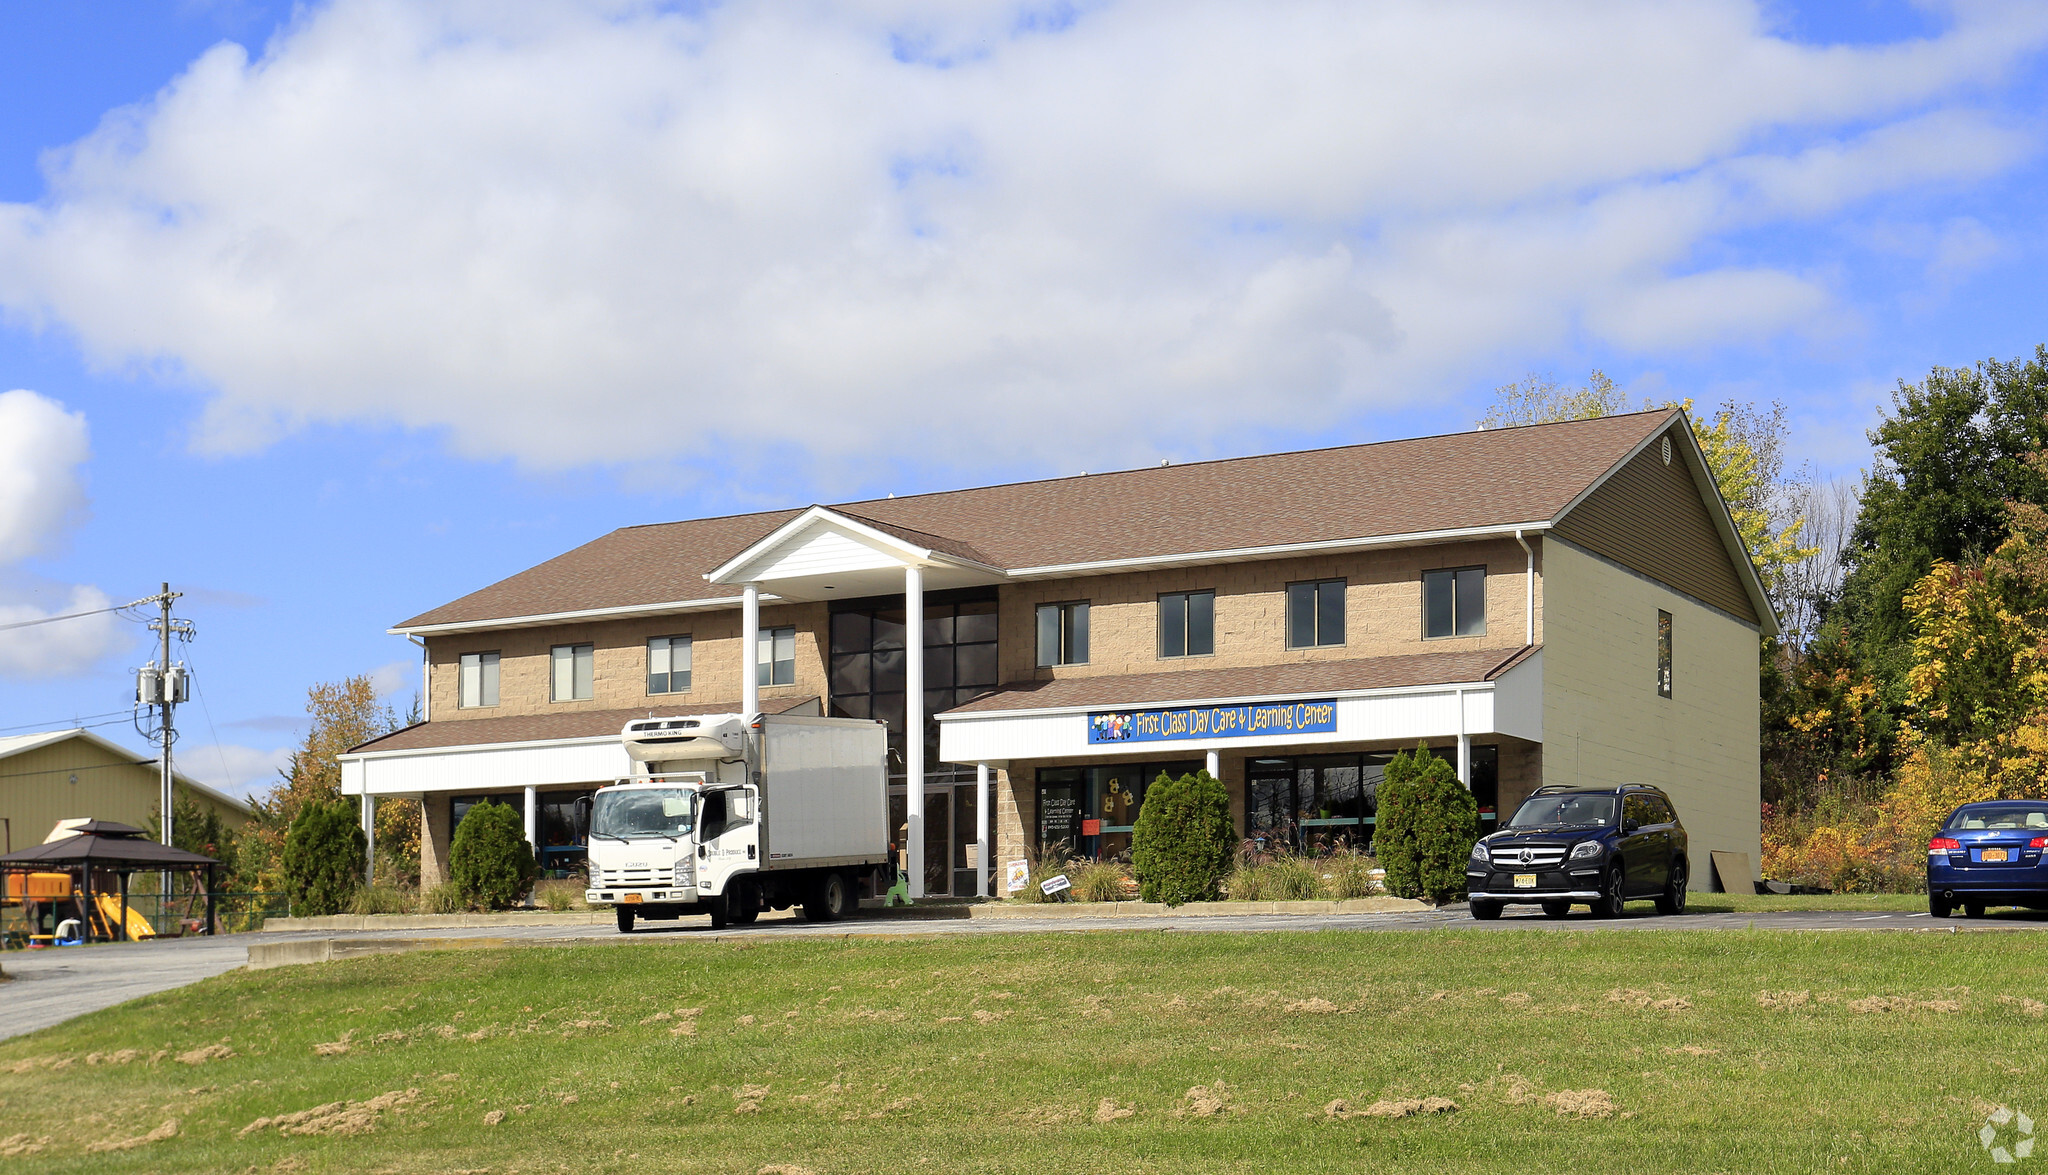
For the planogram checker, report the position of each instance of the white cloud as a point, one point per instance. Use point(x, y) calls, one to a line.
point(395, 679)
point(616, 231)
point(41, 448)
point(42, 497)
point(238, 770)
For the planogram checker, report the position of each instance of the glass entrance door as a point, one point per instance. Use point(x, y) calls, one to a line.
point(948, 829)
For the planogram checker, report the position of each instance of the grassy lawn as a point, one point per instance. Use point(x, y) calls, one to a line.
point(1587, 1052)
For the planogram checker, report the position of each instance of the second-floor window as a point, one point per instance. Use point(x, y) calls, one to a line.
point(478, 682)
point(570, 674)
point(775, 656)
point(1454, 602)
point(1063, 634)
point(1187, 624)
point(668, 664)
point(1315, 613)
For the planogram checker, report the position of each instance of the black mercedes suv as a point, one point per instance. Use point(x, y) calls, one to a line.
point(1597, 846)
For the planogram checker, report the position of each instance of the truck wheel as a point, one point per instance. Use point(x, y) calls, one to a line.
point(745, 899)
point(625, 919)
point(829, 899)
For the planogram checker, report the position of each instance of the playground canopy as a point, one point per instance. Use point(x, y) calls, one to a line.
point(104, 846)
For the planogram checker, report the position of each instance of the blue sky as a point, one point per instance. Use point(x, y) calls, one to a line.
point(333, 313)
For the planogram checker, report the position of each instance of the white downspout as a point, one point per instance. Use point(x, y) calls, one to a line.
point(1528, 582)
point(426, 679)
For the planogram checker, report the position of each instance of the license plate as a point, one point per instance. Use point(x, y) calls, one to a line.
point(1995, 855)
point(1525, 881)
point(630, 899)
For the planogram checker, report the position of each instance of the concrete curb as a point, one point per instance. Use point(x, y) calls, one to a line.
point(437, 921)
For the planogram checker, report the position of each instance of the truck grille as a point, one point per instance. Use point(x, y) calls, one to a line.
point(629, 878)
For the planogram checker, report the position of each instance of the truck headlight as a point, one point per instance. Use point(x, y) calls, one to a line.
point(1586, 850)
point(1480, 855)
point(682, 873)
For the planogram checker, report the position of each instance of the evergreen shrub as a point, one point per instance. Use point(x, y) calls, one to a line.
point(1182, 844)
point(325, 854)
point(490, 864)
point(1428, 823)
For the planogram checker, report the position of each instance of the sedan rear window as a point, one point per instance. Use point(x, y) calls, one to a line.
point(2002, 816)
point(1570, 811)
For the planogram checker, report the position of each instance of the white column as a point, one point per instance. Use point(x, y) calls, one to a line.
point(369, 837)
point(750, 652)
point(1214, 764)
point(533, 819)
point(982, 872)
point(913, 723)
point(1464, 745)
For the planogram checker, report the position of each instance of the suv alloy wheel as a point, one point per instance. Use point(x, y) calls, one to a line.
point(1613, 893)
point(1484, 910)
point(1672, 900)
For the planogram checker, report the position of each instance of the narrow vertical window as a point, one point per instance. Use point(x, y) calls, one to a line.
point(668, 664)
point(1187, 624)
point(1315, 613)
point(1663, 654)
point(478, 681)
point(1063, 634)
point(1454, 602)
point(570, 679)
point(775, 656)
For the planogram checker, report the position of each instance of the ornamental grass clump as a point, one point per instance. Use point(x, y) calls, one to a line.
point(1181, 846)
point(490, 864)
point(325, 855)
point(1428, 823)
point(1099, 881)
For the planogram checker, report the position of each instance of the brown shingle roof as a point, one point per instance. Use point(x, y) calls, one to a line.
point(522, 728)
point(1255, 681)
point(1497, 477)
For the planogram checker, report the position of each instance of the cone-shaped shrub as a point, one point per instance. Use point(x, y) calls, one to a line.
point(324, 857)
point(490, 864)
point(1427, 825)
point(1181, 845)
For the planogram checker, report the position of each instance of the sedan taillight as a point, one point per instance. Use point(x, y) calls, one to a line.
point(2039, 842)
point(1940, 843)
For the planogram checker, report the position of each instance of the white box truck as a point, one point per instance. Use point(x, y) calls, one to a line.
point(727, 817)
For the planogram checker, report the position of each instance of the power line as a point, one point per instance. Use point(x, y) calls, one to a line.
point(77, 615)
point(75, 722)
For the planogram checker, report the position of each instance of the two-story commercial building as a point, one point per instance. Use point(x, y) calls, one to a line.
point(1560, 603)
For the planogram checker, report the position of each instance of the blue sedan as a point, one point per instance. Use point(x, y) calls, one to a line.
point(1989, 854)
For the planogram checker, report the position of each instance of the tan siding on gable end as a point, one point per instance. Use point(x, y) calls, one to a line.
point(1652, 518)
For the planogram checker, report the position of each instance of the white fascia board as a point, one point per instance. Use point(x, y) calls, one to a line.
point(731, 571)
point(470, 748)
point(1280, 551)
point(666, 609)
point(1399, 691)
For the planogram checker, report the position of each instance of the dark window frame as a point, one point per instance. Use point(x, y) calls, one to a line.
point(689, 677)
point(1317, 613)
point(773, 664)
point(1454, 573)
point(1063, 640)
point(1184, 622)
point(1664, 643)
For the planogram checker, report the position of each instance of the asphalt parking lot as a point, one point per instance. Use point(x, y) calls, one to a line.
point(53, 986)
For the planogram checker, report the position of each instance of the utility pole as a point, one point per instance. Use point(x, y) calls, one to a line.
point(163, 684)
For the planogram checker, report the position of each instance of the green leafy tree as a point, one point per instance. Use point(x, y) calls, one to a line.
point(1950, 455)
point(1427, 825)
point(198, 828)
point(323, 859)
point(490, 864)
point(1181, 844)
point(345, 713)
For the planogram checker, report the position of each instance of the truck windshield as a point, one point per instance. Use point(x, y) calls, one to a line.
point(1567, 811)
point(644, 812)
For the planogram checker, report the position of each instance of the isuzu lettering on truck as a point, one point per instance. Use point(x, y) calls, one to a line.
point(727, 817)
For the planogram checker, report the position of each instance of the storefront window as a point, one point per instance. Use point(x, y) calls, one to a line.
point(1091, 812)
point(1327, 803)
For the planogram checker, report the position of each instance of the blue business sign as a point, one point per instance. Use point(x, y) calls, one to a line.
point(1153, 726)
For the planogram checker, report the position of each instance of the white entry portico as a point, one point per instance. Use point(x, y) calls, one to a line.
point(826, 555)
